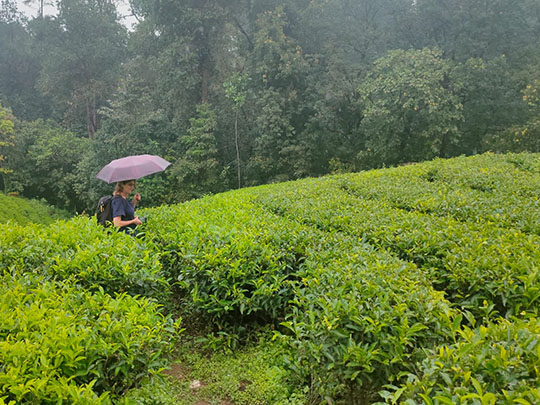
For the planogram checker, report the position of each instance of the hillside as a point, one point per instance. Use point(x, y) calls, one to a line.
point(23, 211)
point(417, 283)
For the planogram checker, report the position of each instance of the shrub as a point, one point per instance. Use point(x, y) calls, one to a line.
point(230, 261)
point(60, 343)
point(22, 211)
point(485, 189)
point(470, 261)
point(495, 363)
point(85, 253)
point(361, 319)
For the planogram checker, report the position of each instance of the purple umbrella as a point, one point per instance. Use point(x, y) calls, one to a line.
point(132, 167)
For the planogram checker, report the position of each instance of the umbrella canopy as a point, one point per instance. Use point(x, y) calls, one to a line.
point(132, 167)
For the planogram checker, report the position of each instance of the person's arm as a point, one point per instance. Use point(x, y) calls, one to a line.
point(117, 221)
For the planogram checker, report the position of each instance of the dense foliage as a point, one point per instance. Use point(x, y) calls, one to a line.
point(243, 92)
point(81, 319)
point(59, 343)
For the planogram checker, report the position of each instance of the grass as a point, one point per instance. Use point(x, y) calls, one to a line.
point(250, 375)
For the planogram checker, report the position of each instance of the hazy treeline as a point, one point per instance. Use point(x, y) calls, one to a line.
point(245, 92)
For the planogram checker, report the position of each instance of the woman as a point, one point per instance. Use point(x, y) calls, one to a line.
point(122, 209)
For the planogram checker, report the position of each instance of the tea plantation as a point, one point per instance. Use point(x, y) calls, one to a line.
point(417, 284)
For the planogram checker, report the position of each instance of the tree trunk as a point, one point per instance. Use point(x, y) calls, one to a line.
point(91, 117)
point(237, 148)
point(205, 76)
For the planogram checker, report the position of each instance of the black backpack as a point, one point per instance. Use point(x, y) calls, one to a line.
point(104, 210)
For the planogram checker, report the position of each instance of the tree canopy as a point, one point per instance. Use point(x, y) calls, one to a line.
point(247, 92)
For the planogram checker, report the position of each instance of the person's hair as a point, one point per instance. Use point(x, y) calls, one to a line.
point(120, 186)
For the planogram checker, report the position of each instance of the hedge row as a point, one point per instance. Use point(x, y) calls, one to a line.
point(21, 211)
point(354, 280)
point(84, 253)
point(496, 363)
point(361, 319)
point(228, 259)
point(470, 262)
point(61, 344)
point(349, 272)
point(79, 317)
point(484, 189)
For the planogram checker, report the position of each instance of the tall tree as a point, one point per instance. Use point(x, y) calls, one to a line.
point(469, 29)
point(6, 136)
point(279, 71)
point(19, 65)
point(412, 109)
point(491, 101)
point(85, 45)
point(235, 89)
point(197, 172)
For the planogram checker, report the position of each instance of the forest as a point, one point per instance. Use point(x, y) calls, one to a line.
point(237, 93)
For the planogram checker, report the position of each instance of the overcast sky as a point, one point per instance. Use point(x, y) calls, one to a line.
point(32, 10)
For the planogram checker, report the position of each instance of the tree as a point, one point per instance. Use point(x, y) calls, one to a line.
point(523, 137)
point(470, 29)
point(84, 46)
point(197, 172)
point(235, 89)
point(41, 5)
point(279, 71)
point(6, 136)
point(42, 163)
point(19, 65)
point(54, 158)
point(412, 110)
point(347, 30)
point(491, 102)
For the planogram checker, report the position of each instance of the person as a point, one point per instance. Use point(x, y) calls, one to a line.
point(123, 210)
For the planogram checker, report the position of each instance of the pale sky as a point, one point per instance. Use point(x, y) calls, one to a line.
point(32, 10)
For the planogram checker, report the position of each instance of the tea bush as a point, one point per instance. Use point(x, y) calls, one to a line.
point(230, 260)
point(233, 258)
point(496, 363)
point(361, 319)
point(471, 262)
point(381, 285)
point(59, 343)
point(85, 253)
point(357, 268)
point(485, 189)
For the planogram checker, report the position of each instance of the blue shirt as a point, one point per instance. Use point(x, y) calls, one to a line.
point(122, 207)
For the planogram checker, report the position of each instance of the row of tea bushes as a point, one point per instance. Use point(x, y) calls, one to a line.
point(228, 259)
point(496, 363)
point(362, 319)
point(79, 315)
point(84, 253)
point(509, 196)
point(471, 262)
point(350, 279)
point(489, 172)
point(354, 318)
point(61, 344)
